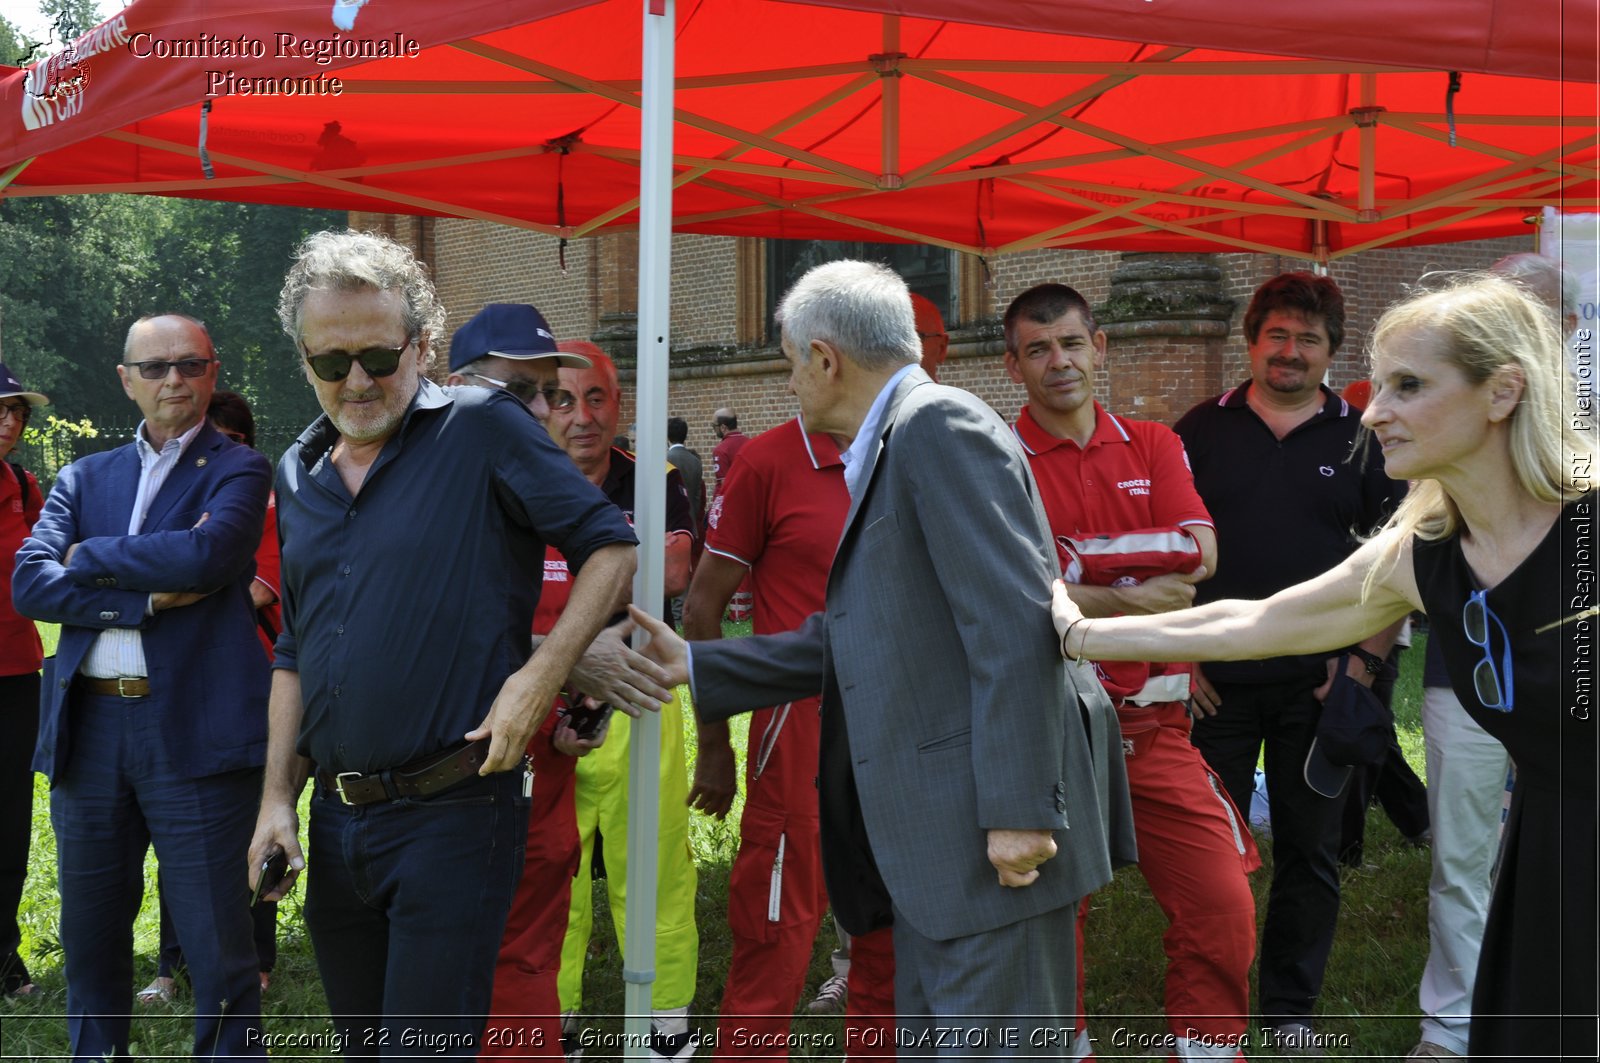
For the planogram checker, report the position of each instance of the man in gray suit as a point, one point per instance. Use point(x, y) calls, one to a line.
point(956, 750)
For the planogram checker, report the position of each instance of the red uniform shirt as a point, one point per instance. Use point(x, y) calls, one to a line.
point(1133, 475)
point(780, 515)
point(618, 487)
point(20, 649)
point(722, 456)
point(269, 618)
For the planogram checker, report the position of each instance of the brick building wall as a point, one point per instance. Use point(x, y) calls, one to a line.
point(722, 356)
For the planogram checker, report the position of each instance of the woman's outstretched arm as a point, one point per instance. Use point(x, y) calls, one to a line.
point(1325, 613)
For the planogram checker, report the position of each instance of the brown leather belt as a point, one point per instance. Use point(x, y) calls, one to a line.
point(422, 777)
point(116, 688)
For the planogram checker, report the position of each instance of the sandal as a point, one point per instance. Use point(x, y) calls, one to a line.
point(162, 989)
point(23, 991)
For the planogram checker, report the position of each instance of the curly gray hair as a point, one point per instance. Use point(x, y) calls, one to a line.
point(356, 261)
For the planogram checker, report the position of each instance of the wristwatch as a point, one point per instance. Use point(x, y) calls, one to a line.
point(1375, 665)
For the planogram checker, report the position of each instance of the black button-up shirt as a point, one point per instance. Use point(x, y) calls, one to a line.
point(1286, 509)
point(406, 607)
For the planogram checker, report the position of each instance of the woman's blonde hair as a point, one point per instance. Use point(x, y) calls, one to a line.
point(1489, 323)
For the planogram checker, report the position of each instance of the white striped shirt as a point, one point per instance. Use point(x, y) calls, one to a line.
point(119, 651)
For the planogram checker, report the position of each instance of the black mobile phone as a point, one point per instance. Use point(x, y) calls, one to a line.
point(273, 868)
point(586, 721)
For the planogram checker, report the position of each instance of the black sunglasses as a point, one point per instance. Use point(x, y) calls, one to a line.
point(375, 361)
point(158, 370)
point(525, 392)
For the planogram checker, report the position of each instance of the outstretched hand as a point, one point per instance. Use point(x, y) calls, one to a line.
point(665, 647)
point(611, 671)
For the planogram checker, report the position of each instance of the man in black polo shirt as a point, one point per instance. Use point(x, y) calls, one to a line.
point(1270, 462)
point(413, 522)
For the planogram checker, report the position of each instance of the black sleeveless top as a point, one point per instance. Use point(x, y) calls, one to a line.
point(1540, 941)
point(1551, 732)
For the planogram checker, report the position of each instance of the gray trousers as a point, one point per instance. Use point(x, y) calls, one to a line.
point(1006, 993)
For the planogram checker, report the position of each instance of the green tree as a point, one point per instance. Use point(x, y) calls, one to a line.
point(78, 270)
point(224, 263)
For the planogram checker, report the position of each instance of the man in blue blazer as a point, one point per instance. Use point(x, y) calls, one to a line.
point(153, 722)
point(968, 792)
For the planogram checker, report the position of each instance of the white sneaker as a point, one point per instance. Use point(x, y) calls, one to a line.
point(670, 1036)
point(831, 997)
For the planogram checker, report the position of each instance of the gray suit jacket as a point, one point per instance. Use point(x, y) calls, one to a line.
point(947, 710)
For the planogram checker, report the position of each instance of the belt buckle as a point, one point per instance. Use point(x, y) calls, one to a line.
point(338, 785)
point(122, 690)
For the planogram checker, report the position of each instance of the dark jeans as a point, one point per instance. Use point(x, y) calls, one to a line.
point(406, 901)
point(19, 729)
point(1303, 904)
point(117, 796)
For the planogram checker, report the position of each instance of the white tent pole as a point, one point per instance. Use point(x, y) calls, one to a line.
point(650, 504)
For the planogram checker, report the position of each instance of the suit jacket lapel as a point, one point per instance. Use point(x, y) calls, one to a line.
point(913, 379)
point(122, 490)
point(201, 451)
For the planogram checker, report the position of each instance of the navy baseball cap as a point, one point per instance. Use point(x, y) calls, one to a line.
point(509, 330)
point(11, 388)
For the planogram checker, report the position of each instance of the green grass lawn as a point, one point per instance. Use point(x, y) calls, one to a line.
point(1368, 1002)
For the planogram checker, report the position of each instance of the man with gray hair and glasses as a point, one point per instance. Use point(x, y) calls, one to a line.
point(152, 727)
point(413, 521)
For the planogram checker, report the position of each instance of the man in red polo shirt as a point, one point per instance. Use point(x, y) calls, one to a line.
point(21, 653)
point(1134, 537)
point(777, 520)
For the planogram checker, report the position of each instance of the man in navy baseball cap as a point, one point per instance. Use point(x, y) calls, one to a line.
point(509, 346)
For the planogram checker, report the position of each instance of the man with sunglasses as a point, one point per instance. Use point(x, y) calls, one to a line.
point(413, 523)
point(600, 805)
point(153, 727)
point(508, 346)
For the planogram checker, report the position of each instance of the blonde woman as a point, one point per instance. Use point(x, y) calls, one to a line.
point(1496, 543)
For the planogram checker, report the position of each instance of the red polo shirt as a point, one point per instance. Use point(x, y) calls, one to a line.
point(618, 487)
point(780, 515)
point(1132, 475)
point(20, 650)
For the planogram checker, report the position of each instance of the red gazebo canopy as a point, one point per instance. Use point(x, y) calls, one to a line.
point(982, 126)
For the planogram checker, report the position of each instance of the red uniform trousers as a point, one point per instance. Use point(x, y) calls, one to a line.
point(525, 1011)
point(776, 907)
point(869, 1007)
point(1195, 851)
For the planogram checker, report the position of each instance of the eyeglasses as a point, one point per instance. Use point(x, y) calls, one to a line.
point(20, 410)
point(525, 391)
point(158, 370)
point(1493, 686)
point(375, 361)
